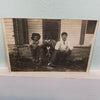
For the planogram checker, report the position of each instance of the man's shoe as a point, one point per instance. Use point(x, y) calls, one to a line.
point(51, 64)
point(33, 60)
point(50, 68)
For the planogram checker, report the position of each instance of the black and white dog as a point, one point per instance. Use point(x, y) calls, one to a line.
point(49, 47)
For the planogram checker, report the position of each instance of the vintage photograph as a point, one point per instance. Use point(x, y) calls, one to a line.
point(49, 45)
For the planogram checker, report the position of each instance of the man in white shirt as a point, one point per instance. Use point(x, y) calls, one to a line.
point(62, 49)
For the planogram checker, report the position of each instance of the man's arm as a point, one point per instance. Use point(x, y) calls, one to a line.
point(31, 42)
point(69, 47)
point(57, 46)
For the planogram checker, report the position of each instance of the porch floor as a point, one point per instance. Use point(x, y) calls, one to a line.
point(26, 65)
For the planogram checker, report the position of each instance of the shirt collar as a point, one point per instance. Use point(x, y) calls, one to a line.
point(63, 41)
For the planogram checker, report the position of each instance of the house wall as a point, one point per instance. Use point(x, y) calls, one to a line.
point(34, 26)
point(9, 31)
point(88, 39)
point(73, 28)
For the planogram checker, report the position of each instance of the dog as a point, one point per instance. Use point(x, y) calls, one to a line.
point(48, 47)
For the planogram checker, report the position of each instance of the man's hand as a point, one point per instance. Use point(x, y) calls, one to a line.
point(62, 50)
point(67, 49)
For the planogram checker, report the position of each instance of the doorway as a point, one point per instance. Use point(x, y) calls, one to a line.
point(51, 29)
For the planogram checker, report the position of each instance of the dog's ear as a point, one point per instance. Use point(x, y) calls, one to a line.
point(32, 38)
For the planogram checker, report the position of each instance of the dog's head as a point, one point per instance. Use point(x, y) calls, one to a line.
point(48, 47)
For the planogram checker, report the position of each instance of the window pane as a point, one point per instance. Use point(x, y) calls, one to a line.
point(91, 27)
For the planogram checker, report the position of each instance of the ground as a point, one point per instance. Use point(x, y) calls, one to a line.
point(27, 65)
point(79, 62)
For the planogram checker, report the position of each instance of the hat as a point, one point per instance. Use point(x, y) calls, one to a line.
point(35, 34)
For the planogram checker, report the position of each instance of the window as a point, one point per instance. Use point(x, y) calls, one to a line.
point(91, 27)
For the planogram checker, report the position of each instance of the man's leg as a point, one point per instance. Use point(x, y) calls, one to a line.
point(54, 57)
point(39, 55)
point(68, 54)
point(68, 59)
point(33, 52)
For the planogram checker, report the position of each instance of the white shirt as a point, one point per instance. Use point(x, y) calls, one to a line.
point(60, 45)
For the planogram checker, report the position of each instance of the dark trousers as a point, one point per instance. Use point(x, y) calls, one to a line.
point(59, 56)
point(37, 53)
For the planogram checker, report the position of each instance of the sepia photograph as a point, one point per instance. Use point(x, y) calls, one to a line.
point(49, 45)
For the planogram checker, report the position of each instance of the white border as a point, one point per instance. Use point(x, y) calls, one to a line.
point(93, 74)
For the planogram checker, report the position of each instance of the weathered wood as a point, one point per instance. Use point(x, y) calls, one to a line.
point(83, 31)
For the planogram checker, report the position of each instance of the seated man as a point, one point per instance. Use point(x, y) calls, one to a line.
point(35, 48)
point(62, 50)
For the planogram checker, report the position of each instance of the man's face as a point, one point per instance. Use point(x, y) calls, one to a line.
point(64, 37)
point(36, 38)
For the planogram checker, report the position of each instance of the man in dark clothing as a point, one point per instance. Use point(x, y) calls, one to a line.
point(35, 48)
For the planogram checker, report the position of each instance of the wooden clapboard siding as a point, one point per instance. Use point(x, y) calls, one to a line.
point(34, 26)
point(8, 22)
point(88, 39)
point(80, 53)
point(73, 28)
